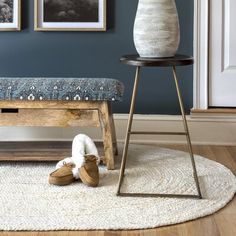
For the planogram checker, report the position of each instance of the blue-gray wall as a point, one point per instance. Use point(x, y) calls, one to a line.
point(96, 54)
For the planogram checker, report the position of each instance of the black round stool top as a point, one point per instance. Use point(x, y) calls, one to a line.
point(177, 60)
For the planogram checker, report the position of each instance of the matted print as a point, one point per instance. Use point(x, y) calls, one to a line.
point(70, 15)
point(10, 15)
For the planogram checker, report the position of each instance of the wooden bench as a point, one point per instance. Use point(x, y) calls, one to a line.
point(62, 102)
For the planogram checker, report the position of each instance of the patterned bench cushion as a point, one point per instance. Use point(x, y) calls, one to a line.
point(86, 89)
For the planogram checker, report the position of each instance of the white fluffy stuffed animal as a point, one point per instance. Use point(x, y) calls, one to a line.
point(82, 145)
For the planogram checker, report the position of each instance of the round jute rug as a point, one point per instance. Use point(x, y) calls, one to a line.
point(28, 202)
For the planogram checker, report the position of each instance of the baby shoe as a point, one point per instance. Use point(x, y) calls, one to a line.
point(62, 176)
point(89, 173)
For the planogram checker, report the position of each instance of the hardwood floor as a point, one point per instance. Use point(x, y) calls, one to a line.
point(222, 223)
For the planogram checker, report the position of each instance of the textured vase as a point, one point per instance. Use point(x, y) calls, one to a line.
point(156, 28)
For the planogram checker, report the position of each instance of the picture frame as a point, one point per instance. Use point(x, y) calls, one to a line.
point(70, 15)
point(10, 15)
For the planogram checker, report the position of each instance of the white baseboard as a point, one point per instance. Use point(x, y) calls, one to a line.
point(203, 130)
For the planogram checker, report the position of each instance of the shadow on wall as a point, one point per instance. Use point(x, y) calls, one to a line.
point(25, 15)
point(111, 14)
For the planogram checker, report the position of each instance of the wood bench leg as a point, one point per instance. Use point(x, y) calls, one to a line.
point(107, 135)
point(113, 129)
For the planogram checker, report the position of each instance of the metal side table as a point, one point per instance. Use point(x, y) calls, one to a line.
point(138, 62)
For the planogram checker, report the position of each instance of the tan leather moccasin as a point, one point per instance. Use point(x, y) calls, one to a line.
point(62, 176)
point(89, 173)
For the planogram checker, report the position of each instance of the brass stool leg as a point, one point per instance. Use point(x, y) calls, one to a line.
point(127, 138)
point(187, 133)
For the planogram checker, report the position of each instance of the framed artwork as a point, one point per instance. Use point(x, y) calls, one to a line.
point(10, 15)
point(70, 15)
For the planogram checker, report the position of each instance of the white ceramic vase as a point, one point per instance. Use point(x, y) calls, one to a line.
point(156, 28)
